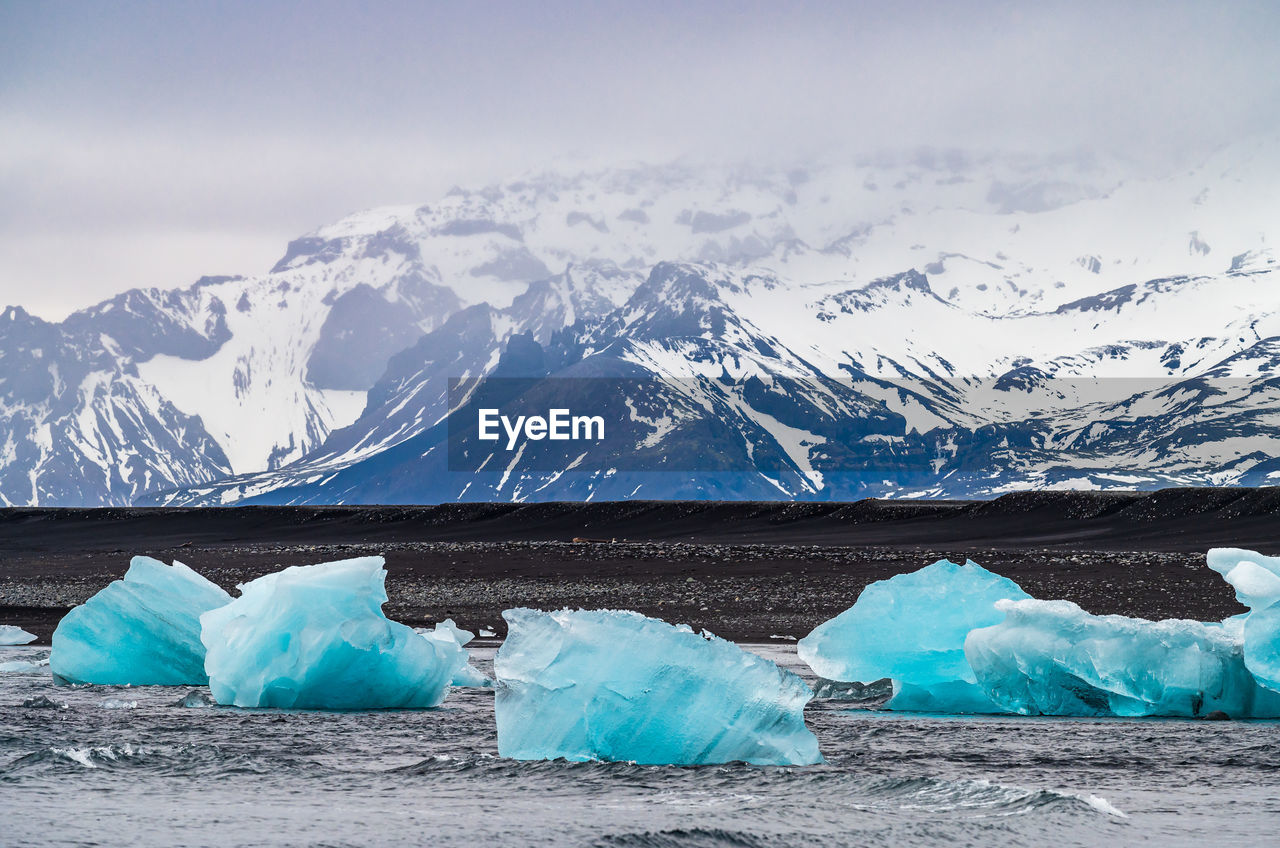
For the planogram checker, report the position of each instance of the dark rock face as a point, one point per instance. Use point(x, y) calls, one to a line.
point(61, 383)
point(362, 331)
point(149, 322)
point(716, 222)
point(308, 249)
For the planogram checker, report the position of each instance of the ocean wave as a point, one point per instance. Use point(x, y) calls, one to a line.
point(700, 838)
point(977, 797)
point(181, 760)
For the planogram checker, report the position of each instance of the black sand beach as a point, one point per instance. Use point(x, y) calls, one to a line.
point(746, 571)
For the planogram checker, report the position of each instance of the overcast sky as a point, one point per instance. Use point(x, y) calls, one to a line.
point(150, 143)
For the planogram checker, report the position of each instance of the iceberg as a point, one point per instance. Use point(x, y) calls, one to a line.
point(315, 637)
point(144, 629)
point(11, 635)
point(23, 666)
point(1053, 658)
point(911, 628)
point(447, 633)
point(1256, 579)
point(616, 685)
point(1262, 646)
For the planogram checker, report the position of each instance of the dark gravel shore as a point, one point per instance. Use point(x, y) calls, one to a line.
point(743, 571)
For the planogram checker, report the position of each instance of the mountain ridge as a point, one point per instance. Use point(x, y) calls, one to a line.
point(238, 387)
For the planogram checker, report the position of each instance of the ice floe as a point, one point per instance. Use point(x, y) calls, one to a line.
point(11, 635)
point(144, 629)
point(1053, 658)
point(911, 628)
point(616, 685)
point(315, 637)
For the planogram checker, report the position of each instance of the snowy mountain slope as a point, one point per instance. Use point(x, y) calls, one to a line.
point(81, 427)
point(943, 291)
point(704, 402)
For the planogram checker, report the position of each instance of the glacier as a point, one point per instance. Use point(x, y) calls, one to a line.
point(619, 686)
point(1256, 579)
point(1053, 658)
point(315, 637)
point(143, 629)
point(911, 628)
point(13, 635)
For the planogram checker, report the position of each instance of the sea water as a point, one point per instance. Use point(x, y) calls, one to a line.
point(110, 765)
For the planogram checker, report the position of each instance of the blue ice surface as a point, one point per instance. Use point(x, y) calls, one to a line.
point(142, 630)
point(24, 666)
point(447, 632)
point(615, 685)
point(1256, 579)
point(13, 635)
point(1053, 658)
point(315, 637)
point(911, 628)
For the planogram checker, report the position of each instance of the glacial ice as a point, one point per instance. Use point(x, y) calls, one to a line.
point(616, 685)
point(448, 633)
point(1262, 645)
point(911, 628)
point(23, 666)
point(12, 635)
point(144, 629)
point(1256, 579)
point(1053, 658)
point(315, 637)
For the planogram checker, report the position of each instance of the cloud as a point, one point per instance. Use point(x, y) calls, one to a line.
point(147, 124)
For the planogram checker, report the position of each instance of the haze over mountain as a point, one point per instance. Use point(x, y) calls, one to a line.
point(923, 324)
point(148, 143)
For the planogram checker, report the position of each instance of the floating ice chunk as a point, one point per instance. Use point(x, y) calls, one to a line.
point(448, 629)
point(44, 702)
point(448, 634)
point(615, 685)
point(1256, 578)
point(196, 698)
point(315, 637)
point(1262, 645)
point(952, 697)
point(144, 629)
point(911, 628)
point(487, 633)
point(11, 635)
point(1053, 658)
point(23, 666)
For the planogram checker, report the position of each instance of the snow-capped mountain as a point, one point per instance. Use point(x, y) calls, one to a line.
point(934, 324)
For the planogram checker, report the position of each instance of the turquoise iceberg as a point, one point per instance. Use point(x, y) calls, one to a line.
point(13, 635)
point(616, 685)
point(1256, 579)
point(911, 628)
point(144, 629)
point(315, 637)
point(1053, 658)
point(447, 632)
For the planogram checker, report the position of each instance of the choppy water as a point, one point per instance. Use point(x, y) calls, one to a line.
point(129, 766)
